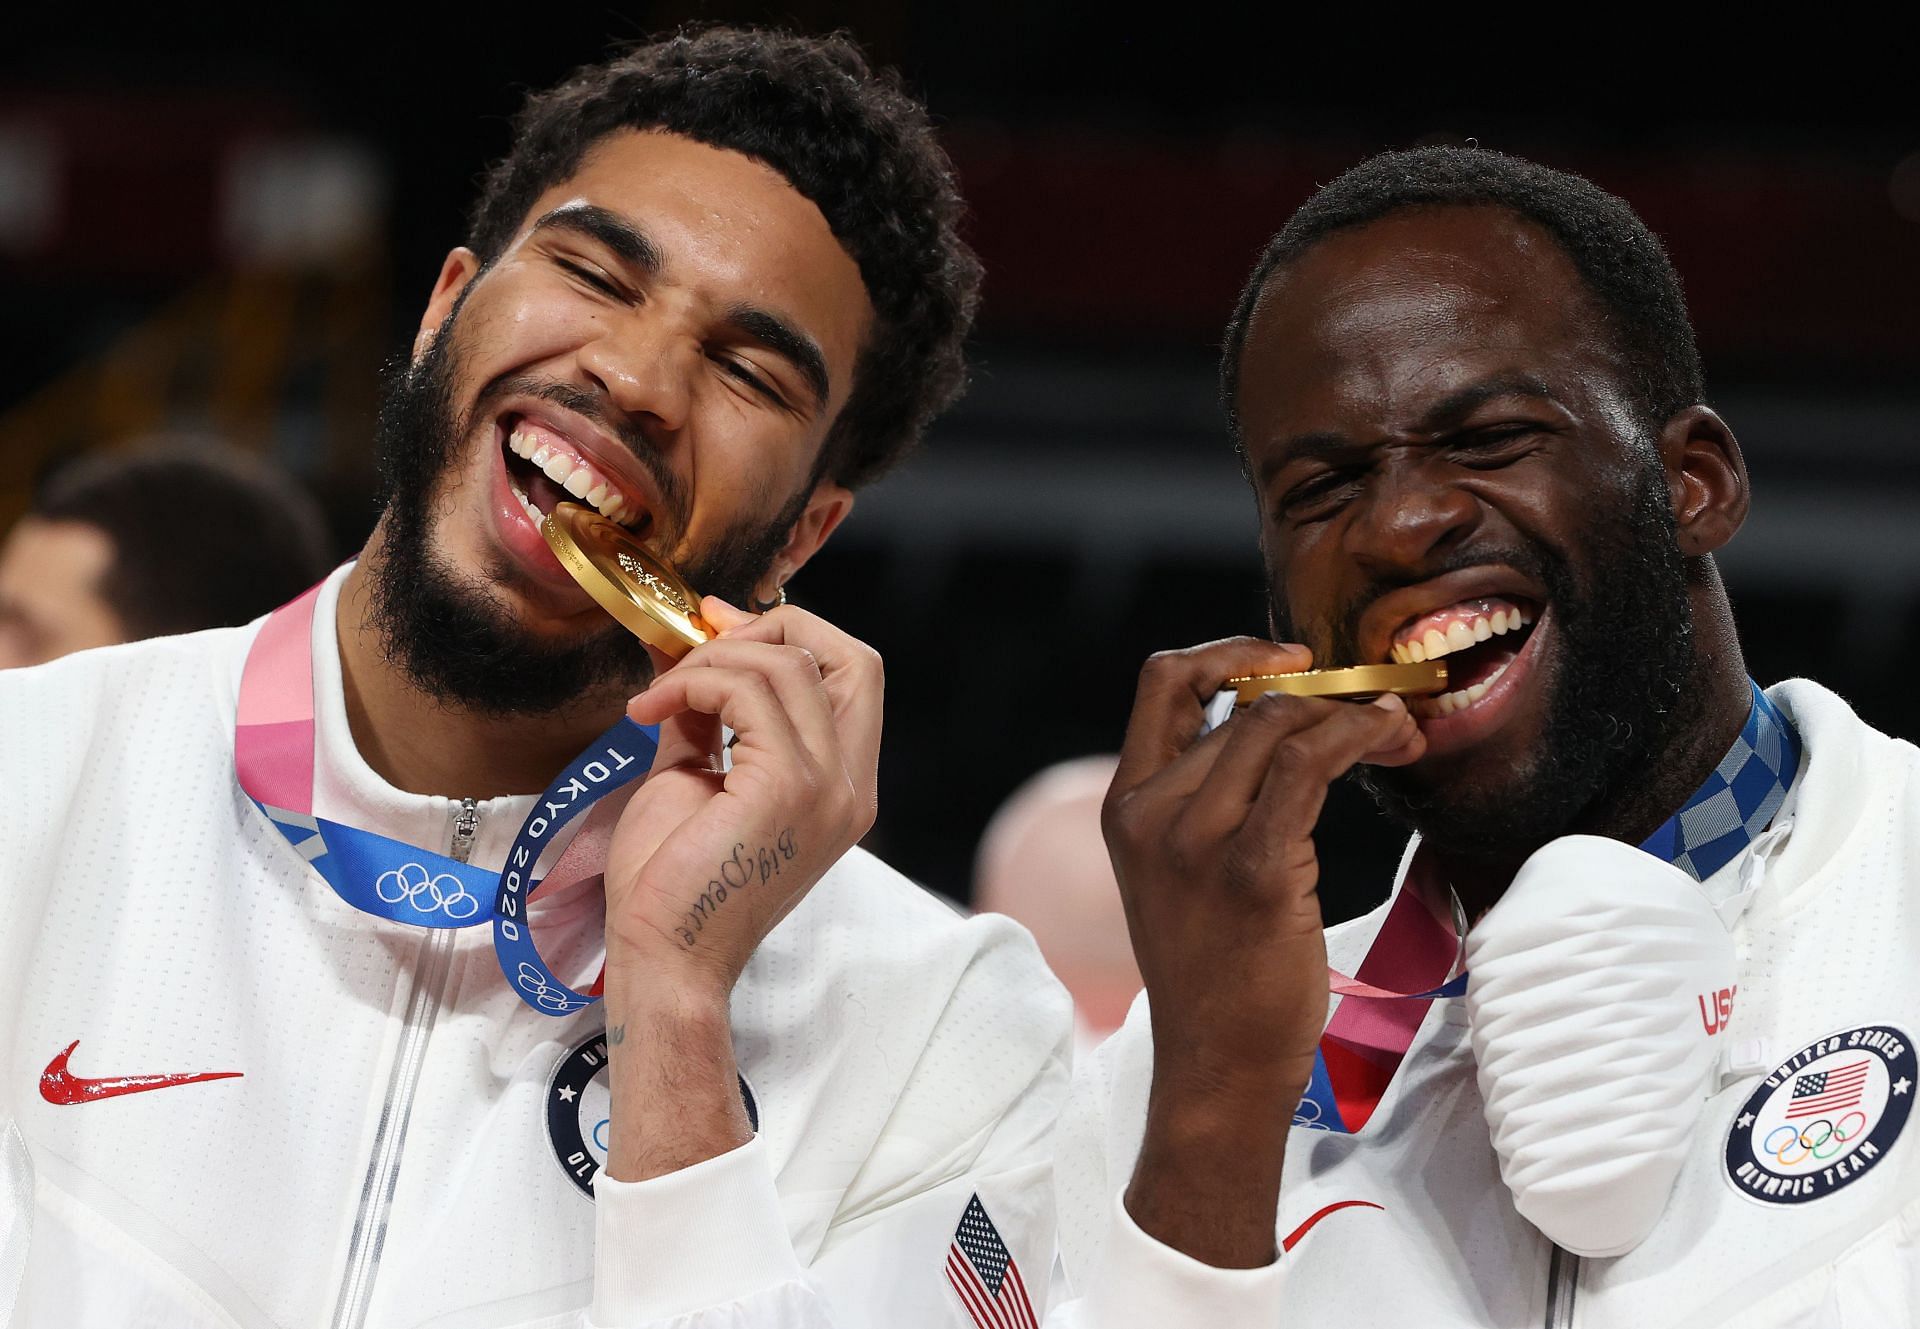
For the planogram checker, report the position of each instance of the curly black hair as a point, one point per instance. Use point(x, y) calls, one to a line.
point(845, 136)
point(1623, 264)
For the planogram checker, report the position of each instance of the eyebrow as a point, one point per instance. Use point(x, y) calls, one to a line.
point(1443, 415)
point(626, 241)
point(785, 340)
point(633, 245)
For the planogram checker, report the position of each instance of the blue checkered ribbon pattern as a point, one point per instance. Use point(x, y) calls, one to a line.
point(1740, 798)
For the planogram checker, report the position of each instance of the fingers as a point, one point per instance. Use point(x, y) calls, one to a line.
point(855, 677)
point(1308, 759)
point(829, 684)
point(746, 701)
point(790, 671)
point(1175, 686)
point(851, 667)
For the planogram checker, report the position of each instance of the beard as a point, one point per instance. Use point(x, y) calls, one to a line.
point(447, 628)
point(1622, 688)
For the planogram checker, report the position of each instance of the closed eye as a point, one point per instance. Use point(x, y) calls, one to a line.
point(1496, 446)
point(1319, 496)
point(739, 369)
point(587, 276)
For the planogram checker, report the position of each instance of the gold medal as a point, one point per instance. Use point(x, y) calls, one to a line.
point(627, 579)
point(1361, 681)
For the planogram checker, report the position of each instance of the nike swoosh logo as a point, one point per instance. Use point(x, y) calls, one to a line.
point(61, 1086)
point(1319, 1214)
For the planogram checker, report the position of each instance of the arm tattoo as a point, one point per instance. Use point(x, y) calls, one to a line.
point(740, 870)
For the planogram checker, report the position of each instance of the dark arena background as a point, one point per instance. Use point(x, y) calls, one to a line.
point(228, 226)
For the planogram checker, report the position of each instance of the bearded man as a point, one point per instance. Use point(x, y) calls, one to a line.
point(1672, 1085)
point(261, 1069)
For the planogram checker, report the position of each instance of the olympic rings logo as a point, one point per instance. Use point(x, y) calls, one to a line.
point(548, 997)
point(1307, 1116)
point(1809, 1141)
point(424, 893)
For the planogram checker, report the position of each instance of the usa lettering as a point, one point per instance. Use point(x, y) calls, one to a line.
point(1716, 1008)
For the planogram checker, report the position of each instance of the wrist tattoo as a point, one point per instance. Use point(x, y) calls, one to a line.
point(743, 868)
point(616, 1035)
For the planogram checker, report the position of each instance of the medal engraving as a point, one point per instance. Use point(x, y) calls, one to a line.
point(671, 594)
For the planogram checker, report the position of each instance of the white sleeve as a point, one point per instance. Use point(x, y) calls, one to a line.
point(968, 1143)
point(1114, 1275)
point(1145, 1284)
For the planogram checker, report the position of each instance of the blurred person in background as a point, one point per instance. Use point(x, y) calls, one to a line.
point(1631, 1043)
point(265, 1060)
point(161, 538)
point(1043, 863)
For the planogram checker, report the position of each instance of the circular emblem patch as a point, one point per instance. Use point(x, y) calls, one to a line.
point(578, 1102)
point(1824, 1117)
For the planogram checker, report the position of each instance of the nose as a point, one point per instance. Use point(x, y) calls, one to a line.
point(645, 365)
point(1409, 515)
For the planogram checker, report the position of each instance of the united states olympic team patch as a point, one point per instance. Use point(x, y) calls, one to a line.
point(578, 1100)
point(1824, 1117)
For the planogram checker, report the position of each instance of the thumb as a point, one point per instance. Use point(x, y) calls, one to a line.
point(722, 615)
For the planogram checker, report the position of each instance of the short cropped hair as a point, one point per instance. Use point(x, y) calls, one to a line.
point(1623, 264)
point(843, 135)
point(203, 535)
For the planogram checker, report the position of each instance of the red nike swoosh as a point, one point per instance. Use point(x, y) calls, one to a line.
point(1319, 1214)
point(58, 1085)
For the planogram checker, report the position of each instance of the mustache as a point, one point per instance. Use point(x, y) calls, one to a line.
point(589, 405)
point(1542, 566)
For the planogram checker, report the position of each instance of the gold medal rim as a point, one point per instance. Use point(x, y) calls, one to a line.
point(1417, 679)
point(588, 546)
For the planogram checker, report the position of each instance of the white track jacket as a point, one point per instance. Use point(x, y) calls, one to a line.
point(1756, 1234)
point(396, 1139)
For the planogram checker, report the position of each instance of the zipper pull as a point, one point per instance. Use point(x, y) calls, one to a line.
point(466, 825)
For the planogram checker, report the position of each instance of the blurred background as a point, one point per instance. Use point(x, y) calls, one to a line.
point(225, 228)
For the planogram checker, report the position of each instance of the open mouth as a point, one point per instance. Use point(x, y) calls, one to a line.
point(544, 469)
point(1478, 638)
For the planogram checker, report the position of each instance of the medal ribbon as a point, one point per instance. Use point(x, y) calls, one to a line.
point(273, 760)
point(1416, 956)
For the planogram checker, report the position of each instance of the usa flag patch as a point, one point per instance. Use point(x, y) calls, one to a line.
point(984, 1274)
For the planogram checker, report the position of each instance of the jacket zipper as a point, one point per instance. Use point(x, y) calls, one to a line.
point(1563, 1275)
point(431, 965)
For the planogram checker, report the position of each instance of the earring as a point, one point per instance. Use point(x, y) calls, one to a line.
point(779, 598)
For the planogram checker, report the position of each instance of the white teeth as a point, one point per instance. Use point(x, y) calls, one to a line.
point(1476, 692)
point(575, 477)
point(1458, 635)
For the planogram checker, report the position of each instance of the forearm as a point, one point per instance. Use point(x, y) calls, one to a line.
point(674, 1083)
point(1207, 1181)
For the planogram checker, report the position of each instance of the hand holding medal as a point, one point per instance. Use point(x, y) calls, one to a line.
point(709, 855)
point(1211, 833)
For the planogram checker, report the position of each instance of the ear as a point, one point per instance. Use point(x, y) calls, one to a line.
point(1706, 480)
point(825, 510)
point(460, 267)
